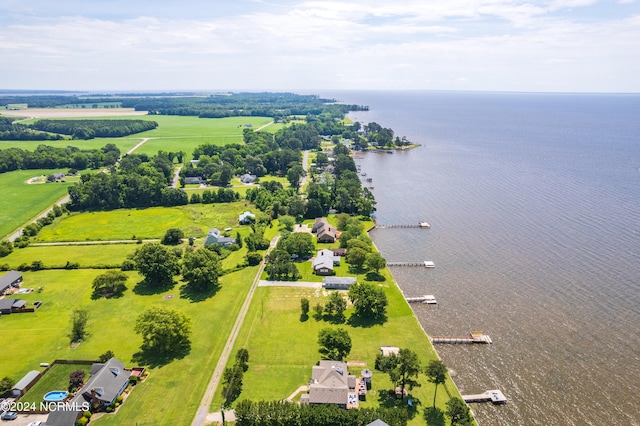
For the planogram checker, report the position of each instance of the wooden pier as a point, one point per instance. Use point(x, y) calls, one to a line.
point(425, 264)
point(494, 396)
point(475, 337)
point(427, 299)
point(421, 225)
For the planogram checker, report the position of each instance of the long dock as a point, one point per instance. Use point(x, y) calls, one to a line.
point(425, 264)
point(494, 396)
point(475, 337)
point(422, 225)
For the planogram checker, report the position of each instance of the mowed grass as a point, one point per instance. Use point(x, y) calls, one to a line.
point(21, 201)
point(283, 347)
point(86, 256)
point(173, 391)
point(180, 126)
point(127, 224)
point(56, 379)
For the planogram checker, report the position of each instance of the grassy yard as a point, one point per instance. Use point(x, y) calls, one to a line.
point(128, 224)
point(176, 386)
point(57, 378)
point(283, 348)
point(181, 126)
point(87, 256)
point(22, 201)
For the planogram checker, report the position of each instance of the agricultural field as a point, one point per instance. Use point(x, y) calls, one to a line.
point(132, 224)
point(179, 384)
point(22, 201)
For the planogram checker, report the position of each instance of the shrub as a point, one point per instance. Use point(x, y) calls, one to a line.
point(119, 398)
point(128, 265)
point(82, 421)
point(254, 258)
point(87, 414)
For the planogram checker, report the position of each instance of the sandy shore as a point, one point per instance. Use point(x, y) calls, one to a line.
point(71, 112)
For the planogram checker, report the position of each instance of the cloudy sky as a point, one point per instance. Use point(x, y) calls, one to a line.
point(505, 45)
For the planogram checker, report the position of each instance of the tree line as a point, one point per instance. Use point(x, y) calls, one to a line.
point(89, 129)
point(50, 157)
point(20, 132)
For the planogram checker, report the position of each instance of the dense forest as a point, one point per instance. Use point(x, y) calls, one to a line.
point(89, 128)
point(49, 157)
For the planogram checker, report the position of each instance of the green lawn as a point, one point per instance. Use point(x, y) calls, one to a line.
point(22, 201)
point(127, 224)
point(173, 390)
point(87, 256)
point(283, 348)
point(57, 378)
point(180, 126)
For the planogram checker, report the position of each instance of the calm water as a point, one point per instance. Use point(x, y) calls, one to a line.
point(534, 202)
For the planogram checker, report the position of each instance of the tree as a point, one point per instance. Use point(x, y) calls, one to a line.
point(279, 265)
point(79, 318)
point(335, 343)
point(299, 244)
point(106, 356)
point(232, 383)
point(356, 257)
point(406, 369)
point(376, 262)
point(437, 372)
point(458, 412)
point(156, 263)
point(304, 306)
point(294, 174)
point(287, 222)
point(76, 379)
point(111, 283)
point(163, 330)
point(200, 269)
point(335, 306)
point(5, 385)
point(369, 301)
point(172, 237)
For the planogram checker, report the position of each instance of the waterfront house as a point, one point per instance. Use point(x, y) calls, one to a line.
point(331, 383)
point(214, 237)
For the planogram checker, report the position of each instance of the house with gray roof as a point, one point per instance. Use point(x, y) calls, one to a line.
point(10, 279)
point(107, 382)
point(215, 237)
point(338, 283)
point(331, 383)
point(8, 306)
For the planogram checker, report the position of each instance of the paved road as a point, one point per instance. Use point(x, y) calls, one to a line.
point(203, 410)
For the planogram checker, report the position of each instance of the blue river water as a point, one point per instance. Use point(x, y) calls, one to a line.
point(534, 206)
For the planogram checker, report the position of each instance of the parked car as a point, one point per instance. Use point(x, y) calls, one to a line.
point(9, 415)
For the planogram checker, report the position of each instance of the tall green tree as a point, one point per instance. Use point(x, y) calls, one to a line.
point(406, 369)
point(437, 373)
point(111, 283)
point(335, 343)
point(172, 237)
point(163, 330)
point(458, 412)
point(156, 263)
point(369, 300)
point(79, 318)
point(201, 269)
point(335, 306)
point(376, 262)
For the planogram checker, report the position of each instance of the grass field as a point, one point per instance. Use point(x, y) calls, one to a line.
point(172, 393)
point(21, 201)
point(87, 256)
point(127, 224)
point(124, 144)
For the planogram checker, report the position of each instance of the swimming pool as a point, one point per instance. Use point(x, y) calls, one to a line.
point(55, 395)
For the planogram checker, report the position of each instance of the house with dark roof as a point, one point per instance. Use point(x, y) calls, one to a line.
point(107, 382)
point(324, 231)
point(214, 237)
point(10, 279)
point(8, 306)
point(319, 223)
point(331, 383)
point(190, 180)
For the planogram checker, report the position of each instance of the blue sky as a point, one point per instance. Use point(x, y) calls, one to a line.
point(504, 45)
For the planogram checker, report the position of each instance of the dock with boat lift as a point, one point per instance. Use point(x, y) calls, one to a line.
point(475, 337)
point(494, 396)
point(428, 299)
